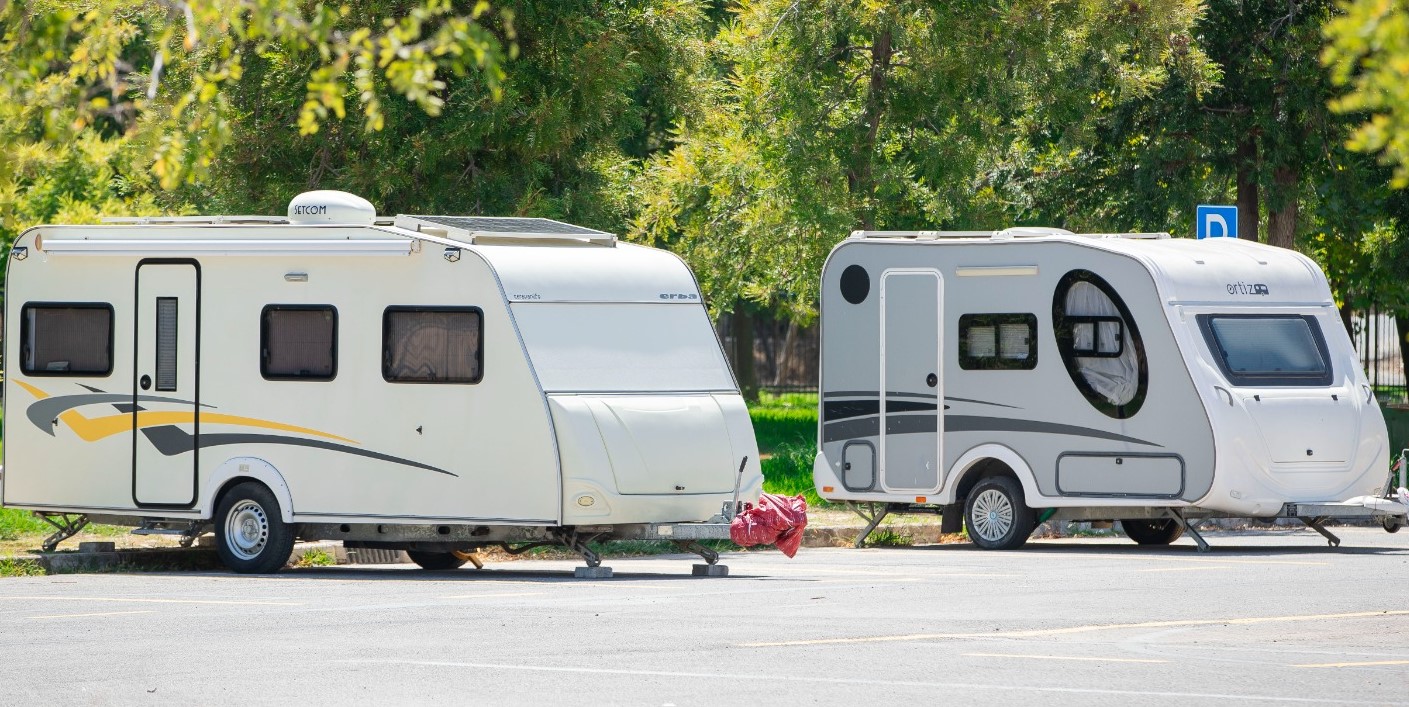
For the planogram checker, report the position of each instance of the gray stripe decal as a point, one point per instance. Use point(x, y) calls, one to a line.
point(171, 440)
point(893, 394)
point(41, 412)
point(910, 424)
point(874, 394)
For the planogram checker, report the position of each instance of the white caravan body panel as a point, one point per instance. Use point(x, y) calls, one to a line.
point(1103, 371)
point(353, 446)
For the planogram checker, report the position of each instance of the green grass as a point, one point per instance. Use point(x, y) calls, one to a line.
point(786, 420)
point(889, 538)
point(19, 568)
point(786, 427)
point(15, 523)
point(316, 557)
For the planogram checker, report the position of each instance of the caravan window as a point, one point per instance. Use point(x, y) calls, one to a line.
point(997, 341)
point(66, 339)
point(1100, 344)
point(1268, 349)
point(298, 342)
point(432, 344)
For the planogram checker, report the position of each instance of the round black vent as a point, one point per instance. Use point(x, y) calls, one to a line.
point(855, 284)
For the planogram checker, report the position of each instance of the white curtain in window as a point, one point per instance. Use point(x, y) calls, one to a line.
point(1116, 379)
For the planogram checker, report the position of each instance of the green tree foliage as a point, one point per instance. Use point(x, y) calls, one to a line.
point(598, 84)
point(104, 105)
point(1368, 51)
point(819, 118)
point(1263, 138)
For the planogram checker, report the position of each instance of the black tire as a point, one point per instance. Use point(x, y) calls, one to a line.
point(437, 561)
point(250, 535)
point(1391, 524)
point(1161, 531)
point(996, 514)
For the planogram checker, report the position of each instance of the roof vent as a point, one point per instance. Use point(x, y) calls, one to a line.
point(326, 206)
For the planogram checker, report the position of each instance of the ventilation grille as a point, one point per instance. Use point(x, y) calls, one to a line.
point(166, 344)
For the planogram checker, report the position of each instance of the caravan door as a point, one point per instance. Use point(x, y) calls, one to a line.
point(166, 384)
point(912, 391)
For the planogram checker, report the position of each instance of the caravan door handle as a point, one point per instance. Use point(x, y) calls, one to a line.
point(1226, 393)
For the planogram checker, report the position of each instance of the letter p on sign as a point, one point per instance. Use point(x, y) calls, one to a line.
point(1216, 221)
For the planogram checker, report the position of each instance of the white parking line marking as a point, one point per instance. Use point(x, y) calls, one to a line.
point(139, 600)
point(1083, 629)
point(494, 596)
point(1184, 569)
point(1063, 657)
point(101, 613)
point(1352, 665)
point(754, 679)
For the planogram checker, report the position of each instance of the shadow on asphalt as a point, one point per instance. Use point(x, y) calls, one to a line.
point(1314, 546)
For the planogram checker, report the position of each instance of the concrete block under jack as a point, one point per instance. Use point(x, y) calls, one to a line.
point(710, 571)
point(592, 573)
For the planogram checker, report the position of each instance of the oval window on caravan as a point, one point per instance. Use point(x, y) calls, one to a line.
point(1100, 344)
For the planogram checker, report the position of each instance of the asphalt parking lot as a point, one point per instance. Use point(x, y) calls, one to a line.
point(1265, 617)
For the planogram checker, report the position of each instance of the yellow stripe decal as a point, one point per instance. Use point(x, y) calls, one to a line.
point(94, 429)
point(32, 390)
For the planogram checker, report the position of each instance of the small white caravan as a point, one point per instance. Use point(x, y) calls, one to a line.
point(428, 383)
point(1010, 377)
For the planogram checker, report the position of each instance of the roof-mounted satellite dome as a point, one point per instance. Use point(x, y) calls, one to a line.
point(328, 206)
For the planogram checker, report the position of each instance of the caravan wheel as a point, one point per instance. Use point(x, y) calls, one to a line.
point(1152, 532)
point(250, 536)
point(997, 516)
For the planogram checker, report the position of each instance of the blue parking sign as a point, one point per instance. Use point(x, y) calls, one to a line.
point(1216, 221)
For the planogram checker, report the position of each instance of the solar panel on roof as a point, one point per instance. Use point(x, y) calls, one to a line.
point(490, 224)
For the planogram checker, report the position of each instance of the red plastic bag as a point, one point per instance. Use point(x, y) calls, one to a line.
point(776, 520)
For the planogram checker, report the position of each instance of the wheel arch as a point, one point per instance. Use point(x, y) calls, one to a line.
point(988, 460)
point(238, 469)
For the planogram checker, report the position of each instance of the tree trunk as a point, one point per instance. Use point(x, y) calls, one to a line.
point(1401, 325)
point(1281, 221)
point(741, 326)
point(1248, 215)
point(1346, 313)
point(787, 355)
point(860, 178)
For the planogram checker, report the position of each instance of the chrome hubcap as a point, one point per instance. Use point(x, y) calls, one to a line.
point(993, 515)
point(247, 530)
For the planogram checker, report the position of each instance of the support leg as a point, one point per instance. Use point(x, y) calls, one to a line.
point(1190, 530)
point(711, 567)
point(1316, 525)
point(594, 568)
point(873, 514)
point(66, 527)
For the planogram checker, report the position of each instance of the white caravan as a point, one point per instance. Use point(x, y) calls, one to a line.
point(428, 383)
point(1034, 373)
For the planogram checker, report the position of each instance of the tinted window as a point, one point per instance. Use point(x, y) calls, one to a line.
point(66, 339)
point(299, 342)
point(997, 341)
point(432, 345)
point(1268, 349)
